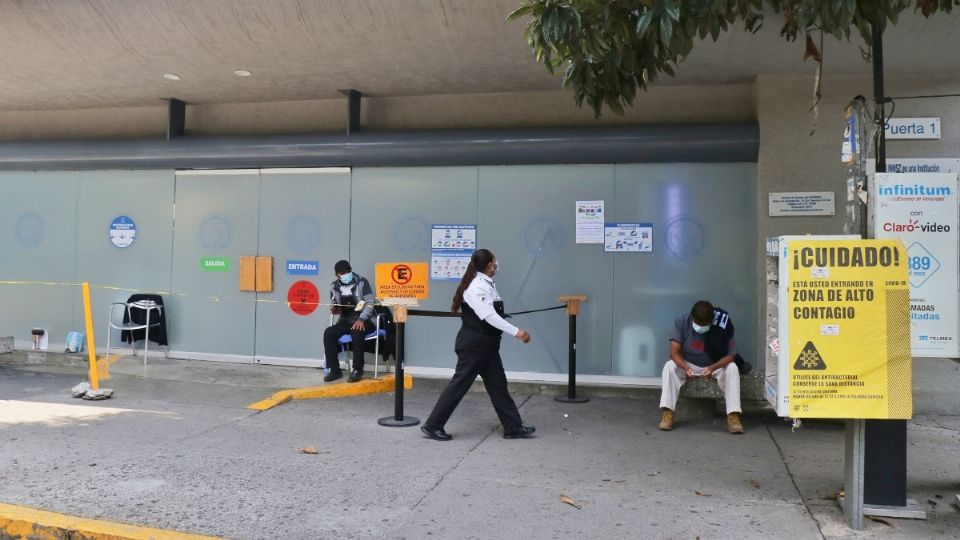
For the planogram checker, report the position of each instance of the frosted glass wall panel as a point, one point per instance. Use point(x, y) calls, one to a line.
point(37, 244)
point(527, 217)
point(146, 198)
point(216, 217)
point(392, 214)
point(303, 217)
point(704, 219)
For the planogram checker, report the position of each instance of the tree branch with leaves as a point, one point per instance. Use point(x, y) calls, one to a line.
point(607, 49)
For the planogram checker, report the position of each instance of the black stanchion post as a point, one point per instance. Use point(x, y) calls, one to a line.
point(398, 419)
point(573, 309)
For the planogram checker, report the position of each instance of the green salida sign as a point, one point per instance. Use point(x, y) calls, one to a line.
point(214, 264)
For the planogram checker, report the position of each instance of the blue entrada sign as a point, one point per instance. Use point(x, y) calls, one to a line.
point(303, 268)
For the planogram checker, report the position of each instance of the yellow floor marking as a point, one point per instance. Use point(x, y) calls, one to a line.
point(24, 522)
point(363, 387)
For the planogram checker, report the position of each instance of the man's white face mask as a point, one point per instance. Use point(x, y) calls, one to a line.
point(700, 329)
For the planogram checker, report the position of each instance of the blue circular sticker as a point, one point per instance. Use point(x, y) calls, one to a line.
point(411, 234)
point(303, 233)
point(123, 231)
point(543, 235)
point(29, 230)
point(685, 236)
point(214, 232)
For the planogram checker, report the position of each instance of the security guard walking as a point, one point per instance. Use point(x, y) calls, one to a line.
point(478, 351)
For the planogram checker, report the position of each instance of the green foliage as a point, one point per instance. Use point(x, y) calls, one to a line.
point(607, 49)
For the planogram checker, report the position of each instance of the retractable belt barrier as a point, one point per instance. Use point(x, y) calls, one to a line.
point(571, 304)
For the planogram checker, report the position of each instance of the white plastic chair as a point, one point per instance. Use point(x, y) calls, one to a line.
point(146, 305)
point(372, 336)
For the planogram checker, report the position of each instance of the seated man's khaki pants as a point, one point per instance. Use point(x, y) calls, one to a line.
point(673, 379)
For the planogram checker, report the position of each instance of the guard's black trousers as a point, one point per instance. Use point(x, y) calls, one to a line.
point(477, 354)
point(331, 343)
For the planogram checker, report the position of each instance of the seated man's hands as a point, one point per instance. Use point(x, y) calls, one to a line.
point(689, 371)
point(335, 310)
point(358, 326)
point(708, 372)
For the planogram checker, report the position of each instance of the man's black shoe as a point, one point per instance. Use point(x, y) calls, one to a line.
point(436, 434)
point(522, 432)
point(332, 376)
point(355, 376)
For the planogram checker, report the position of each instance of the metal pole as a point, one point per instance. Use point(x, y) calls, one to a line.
point(573, 307)
point(853, 474)
point(398, 419)
point(885, 441)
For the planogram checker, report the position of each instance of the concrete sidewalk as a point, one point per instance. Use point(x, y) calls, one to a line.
point(177, 449)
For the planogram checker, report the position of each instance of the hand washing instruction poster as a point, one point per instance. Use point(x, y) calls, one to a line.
point(451, 247)
point(628, 237)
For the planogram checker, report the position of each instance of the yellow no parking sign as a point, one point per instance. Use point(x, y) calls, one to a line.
point(849, 329)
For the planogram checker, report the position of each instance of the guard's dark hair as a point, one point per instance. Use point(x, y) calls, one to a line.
point(480, 259)
point(702, 313)
point(342, 267)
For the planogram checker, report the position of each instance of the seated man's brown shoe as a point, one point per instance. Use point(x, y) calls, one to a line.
point(666, 421)
point(734, 425)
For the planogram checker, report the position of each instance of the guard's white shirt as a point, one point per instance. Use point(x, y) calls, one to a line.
point(480, 296)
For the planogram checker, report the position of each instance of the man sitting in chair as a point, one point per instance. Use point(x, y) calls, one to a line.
point(702, 345)
point(348, 290)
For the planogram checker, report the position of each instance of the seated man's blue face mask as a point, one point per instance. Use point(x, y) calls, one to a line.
point(700, 329)
point(347, 278)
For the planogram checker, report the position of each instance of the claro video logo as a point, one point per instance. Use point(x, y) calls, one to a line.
point(914, 225)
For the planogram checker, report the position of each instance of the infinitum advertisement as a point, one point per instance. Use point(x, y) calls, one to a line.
point(921, 210)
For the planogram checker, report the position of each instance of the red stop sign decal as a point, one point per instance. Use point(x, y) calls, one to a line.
point(303, 297)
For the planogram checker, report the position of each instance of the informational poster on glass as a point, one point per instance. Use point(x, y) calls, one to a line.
point(590, 222)
point(921, 210)
point(628, 237)
point(450, 249)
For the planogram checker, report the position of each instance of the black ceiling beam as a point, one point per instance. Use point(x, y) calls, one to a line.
point(353, 110)
point(176, 118)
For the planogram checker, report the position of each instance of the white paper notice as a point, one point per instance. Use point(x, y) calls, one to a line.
point(589, 222)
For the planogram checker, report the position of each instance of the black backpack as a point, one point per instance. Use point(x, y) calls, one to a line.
point(715, 342)
point(388, 343)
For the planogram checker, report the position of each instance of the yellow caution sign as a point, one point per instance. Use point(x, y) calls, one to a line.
point(403, 280)
point(849, 329)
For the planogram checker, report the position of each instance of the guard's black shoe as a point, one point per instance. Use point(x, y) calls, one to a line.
point(332, 376)
point(355, 376)
point(437, 434)
point(522, 432)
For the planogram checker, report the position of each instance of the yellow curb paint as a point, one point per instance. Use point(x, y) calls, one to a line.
point(360, 388)
point(24, 522)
